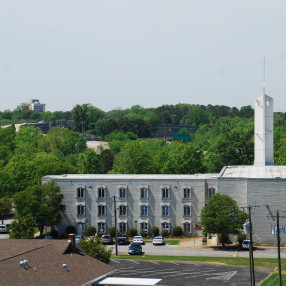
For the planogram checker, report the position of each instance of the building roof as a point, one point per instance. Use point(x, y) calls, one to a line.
point(45, 263)
point(127, 177)
point(254, 172)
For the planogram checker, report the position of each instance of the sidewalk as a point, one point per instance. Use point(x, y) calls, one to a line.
point(197, 242)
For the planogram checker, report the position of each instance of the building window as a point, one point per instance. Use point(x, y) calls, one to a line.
point(101, 227)
point(166, 226)
point(165, 210)
point(144, 193)
point(187, 193)
point(143, 210)
point(187, 210)
point(211, 192)
point(80, 192)
point(101, 210)
point(80, 210)
point(165, 193)
point(101, 192)
point(144, 227)
point(122, 210)
point(122, 192)
point(123, 227)
point(187, 227)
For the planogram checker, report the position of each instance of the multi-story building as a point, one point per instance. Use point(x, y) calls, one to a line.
point(36, 105)
point(143, 201)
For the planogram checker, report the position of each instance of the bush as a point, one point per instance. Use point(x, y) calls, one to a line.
point(90, 231)
point(154, 230)
point(70, 229)
point(132, 231)
point(241, 237)
point(165, 233)
point(144, 234)
point(204, 240)
point(177, 231)
point(111, 231)
point(96, 250)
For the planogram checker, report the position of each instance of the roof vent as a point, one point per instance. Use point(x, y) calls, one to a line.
point(65, 267)
point(24, 264)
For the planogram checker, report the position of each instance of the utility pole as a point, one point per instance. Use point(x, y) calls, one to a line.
point(115, 223)
point(278, 232)
point(251, 260)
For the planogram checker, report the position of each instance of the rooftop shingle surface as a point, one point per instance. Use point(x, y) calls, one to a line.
point(45, 260)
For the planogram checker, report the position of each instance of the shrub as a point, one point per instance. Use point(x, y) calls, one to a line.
point(165, 233)
point(154, 230)
point(70, 229)
point(177, 231)
point(204, 240)
point(96, 250)
point(111, 231)
point(132, 231)
point(144, 234)
point(90, 231)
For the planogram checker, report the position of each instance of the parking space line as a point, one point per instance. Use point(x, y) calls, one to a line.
point(134, 261)
point(115, 261)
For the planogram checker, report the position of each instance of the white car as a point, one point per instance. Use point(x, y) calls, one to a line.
point(246, 244)
point(158, 240)
point(138, 239)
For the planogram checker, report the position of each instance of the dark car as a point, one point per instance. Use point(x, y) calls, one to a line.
point(122, 239)
point(135, 248)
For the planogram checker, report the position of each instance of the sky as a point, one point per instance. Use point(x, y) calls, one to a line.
point(119, 53)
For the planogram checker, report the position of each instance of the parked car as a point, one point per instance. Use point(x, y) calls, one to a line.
point(106, 239)
point(122, 239)
point(3, 228)
point(158, 240)
point(135, 248)
point(138, 239)
point(245, 244)
point(92, 237)
point(48, 237)
point(78, 238)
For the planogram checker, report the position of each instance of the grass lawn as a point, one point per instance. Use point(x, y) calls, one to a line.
point(239, 261)
point(273, 280)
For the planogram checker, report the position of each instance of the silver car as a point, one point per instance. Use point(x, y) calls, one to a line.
point(158, 240)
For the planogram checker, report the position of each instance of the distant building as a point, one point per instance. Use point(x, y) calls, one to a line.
point(167, 131)
point(36, 105)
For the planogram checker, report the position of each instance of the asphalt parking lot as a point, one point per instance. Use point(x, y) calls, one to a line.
point(183, 274)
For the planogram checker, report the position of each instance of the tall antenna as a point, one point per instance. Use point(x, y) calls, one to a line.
point(264, 72)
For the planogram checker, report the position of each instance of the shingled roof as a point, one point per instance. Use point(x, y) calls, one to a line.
point(45, 263)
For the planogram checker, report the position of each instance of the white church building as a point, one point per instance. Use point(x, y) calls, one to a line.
point(165, 201)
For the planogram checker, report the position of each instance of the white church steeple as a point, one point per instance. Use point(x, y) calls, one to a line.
point(263, 130)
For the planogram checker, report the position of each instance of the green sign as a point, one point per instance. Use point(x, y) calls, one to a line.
point(181, 137)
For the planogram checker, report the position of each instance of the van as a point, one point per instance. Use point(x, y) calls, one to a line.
point(3, 228)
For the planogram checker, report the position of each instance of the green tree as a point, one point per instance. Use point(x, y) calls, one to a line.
point(22, 228)
point(133, 159)
point(42, 203)
point(222, 216)
point(89, 163)
point(27, 139)
point(96, 250)
point(6, 205)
